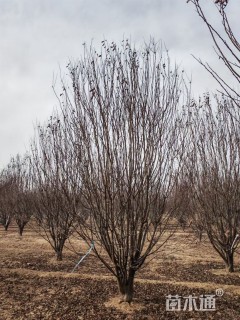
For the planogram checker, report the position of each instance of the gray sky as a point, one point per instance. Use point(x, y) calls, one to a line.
point(38, 36)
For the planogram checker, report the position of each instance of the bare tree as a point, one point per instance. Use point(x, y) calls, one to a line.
point(227, 48)
point(23, 194)
point(186, 214)
point(182, 196)
point(214, 174)
point(7, 197)
point(128, 139)
point(56, 184)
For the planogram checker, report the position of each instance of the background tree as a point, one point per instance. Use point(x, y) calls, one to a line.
point(227, 48)
point(23, 194)
point(214, 174)
point(7, 197)
point(56, 184)
point(128, 139)
point(186, 215)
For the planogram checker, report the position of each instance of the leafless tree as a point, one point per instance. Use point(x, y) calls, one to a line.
point(182, 196)
point(23, 194)
point(227, 48)
point(128, 139)
point(56, 184)
point(7, 197)
point(214, 173)
point(186, 214)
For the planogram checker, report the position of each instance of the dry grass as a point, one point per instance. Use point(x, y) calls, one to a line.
point(31, 277)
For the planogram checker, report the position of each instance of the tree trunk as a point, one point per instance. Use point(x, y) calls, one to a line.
point(59, 255)
point(126, 287)
point(230, 262)
point(20, 230)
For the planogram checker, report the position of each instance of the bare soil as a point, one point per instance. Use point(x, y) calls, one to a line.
point(35, 286)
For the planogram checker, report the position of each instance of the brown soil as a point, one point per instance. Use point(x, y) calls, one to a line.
point(35, 286)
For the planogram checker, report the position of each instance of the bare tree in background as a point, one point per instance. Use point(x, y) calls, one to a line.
point(124, 112)
point(56, 184)
point(182, 195)
point(7, 197)
point(186, 214)
point(214, 172)
point(23, 194)
point(227, 48)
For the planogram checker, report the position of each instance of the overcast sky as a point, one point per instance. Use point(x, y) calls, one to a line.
point(38, 36)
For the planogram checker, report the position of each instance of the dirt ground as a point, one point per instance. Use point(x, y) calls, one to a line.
point(35, 286)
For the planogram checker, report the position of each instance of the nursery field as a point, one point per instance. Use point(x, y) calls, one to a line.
point(35, 286)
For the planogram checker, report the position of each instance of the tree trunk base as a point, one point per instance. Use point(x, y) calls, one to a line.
point(230, 269)
point(126, 288)
point(230, 263)
point(59, 256)
point(126, 298)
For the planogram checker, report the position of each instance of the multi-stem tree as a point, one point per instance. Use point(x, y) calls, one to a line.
point(7, 197)
point(56, 184)
point(186, 215)
point(128, 139)
point(214, 174)
point(23, 196)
